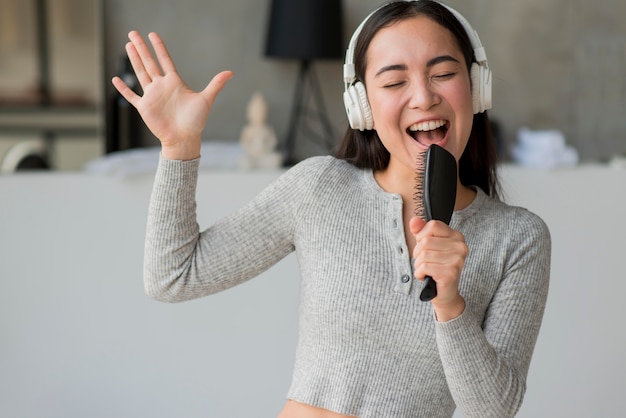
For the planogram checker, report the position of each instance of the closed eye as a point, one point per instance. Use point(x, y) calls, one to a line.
point(444, 76)
point(392, 85)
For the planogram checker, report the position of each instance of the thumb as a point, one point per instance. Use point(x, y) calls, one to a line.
point(416, 224)
point(216, 85)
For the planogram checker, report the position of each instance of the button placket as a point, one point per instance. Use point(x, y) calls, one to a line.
point(403, 277)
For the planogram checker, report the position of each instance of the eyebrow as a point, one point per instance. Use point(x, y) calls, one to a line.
point(431, 63)
point(442, 58)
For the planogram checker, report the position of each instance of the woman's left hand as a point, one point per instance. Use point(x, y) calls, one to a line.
point(440, 253)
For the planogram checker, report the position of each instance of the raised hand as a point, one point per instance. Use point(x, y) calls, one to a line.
point(174, 113)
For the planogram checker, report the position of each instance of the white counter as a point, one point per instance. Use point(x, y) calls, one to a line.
point(79, 338)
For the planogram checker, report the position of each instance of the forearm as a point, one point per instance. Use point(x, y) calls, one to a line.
point(172, 231)
point(182, 263)
point(483, 383)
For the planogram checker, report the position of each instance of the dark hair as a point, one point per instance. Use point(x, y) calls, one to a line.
point(477, 165)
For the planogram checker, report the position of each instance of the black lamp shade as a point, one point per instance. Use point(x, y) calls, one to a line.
point(305, 29)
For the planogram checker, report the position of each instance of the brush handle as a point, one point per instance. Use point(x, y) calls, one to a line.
point(429, 291)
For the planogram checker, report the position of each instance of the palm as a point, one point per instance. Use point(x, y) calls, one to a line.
point(171, 110)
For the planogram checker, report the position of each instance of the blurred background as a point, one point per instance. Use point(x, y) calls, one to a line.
point(557, 65)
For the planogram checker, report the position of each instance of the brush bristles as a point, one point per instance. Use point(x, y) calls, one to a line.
point(418, 196)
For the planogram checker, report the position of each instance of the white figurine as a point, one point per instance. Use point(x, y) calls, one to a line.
point(258, 138)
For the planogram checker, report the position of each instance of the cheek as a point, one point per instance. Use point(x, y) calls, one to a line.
point(376, 105)
point(467, 96)
point(461, 96)
point(384, 110)
point(461, 101)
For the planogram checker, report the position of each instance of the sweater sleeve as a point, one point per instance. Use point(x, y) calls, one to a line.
point(486, 363)
point(182, 263)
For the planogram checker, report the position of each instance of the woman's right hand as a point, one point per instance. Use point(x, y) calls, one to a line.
point(174, 113)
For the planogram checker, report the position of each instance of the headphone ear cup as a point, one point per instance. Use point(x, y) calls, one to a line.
point(357, 107)
point(476, 87)
point(481, 87)
point(351, 103)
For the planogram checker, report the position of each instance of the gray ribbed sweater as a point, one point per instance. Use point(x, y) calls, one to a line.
point(367, 346)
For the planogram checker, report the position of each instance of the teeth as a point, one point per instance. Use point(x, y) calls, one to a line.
point(430, 125)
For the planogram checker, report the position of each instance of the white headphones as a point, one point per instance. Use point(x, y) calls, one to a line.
point(355, 96)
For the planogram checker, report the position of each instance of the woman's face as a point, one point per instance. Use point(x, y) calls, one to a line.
point(418, 87)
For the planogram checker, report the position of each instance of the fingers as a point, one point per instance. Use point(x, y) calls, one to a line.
point(435, 254)
point(216, 85)
point(148, 66)
point(440, 252)
point(433, 228)
point(416, 224)
point(126, 92)
point(439, 244)
point(163, 55)
point(135, 60)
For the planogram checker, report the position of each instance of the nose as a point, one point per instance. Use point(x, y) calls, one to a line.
point(423, 95)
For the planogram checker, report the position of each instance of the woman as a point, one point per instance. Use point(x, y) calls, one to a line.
point(367, 346)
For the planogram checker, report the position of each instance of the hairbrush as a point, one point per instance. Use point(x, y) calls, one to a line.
point(435, 194)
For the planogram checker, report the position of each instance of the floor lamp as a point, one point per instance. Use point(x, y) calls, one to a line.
point(305, 30)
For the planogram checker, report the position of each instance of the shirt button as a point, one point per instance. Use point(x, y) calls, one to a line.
point(405, 278)
point(395, 223)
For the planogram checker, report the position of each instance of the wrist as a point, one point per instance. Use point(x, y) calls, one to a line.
point(448, 311)
point(181, 151)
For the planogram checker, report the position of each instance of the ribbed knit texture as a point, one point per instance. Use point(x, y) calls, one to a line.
point(367, 345)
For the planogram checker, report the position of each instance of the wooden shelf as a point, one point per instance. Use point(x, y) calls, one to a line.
point(51, 120)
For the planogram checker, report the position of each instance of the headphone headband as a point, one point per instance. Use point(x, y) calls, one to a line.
point(349, 74)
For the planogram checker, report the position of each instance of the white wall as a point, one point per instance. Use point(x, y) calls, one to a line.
point(579, 367)
point(78, 337)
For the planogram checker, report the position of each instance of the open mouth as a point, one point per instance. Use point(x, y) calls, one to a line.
point(430, 132)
